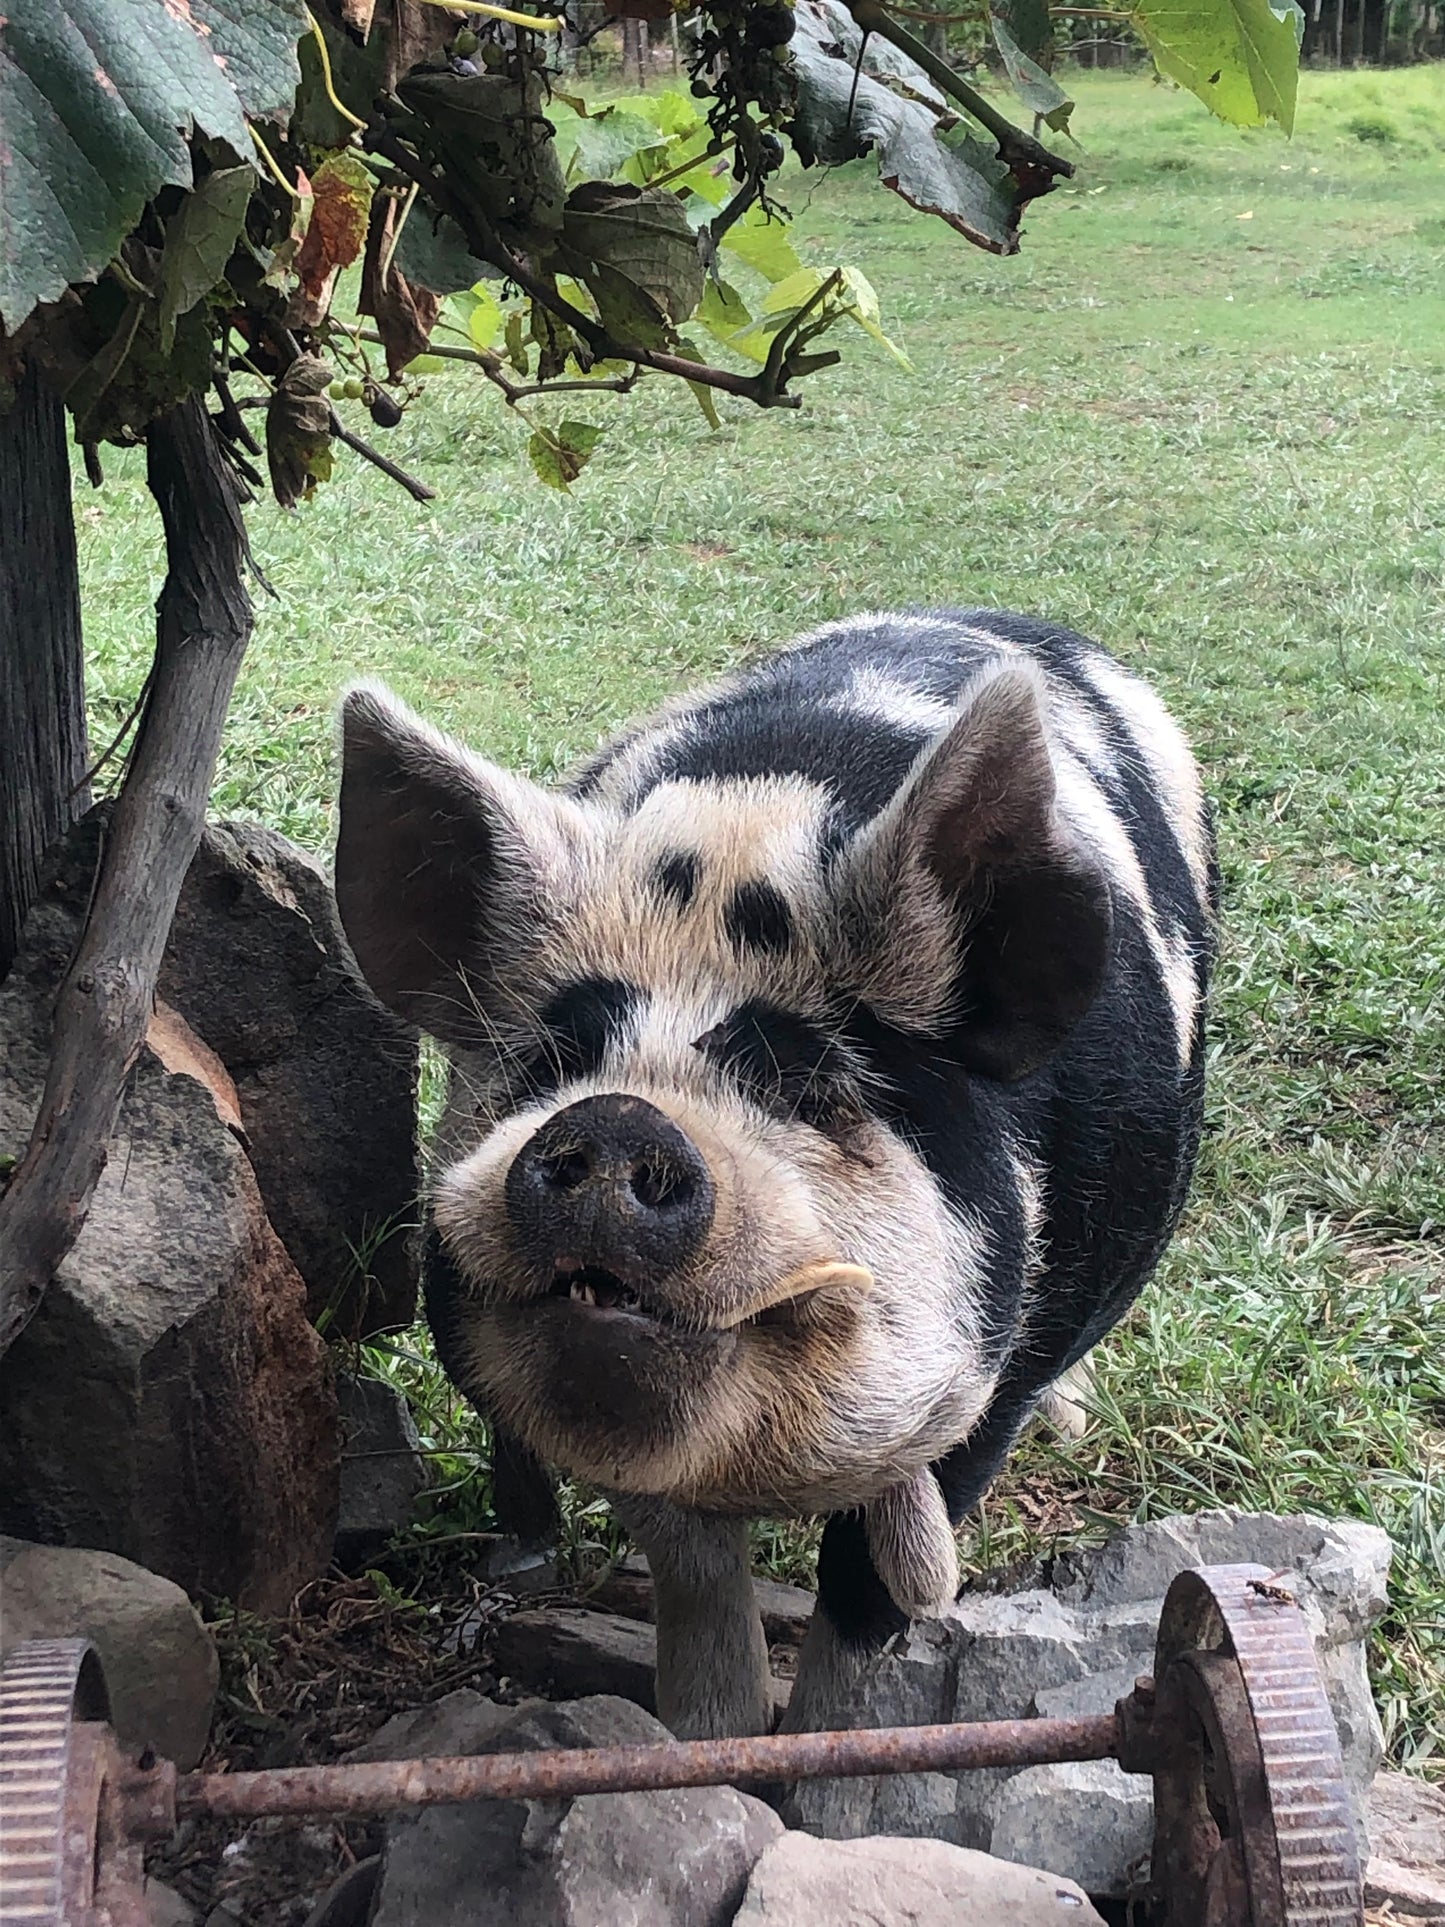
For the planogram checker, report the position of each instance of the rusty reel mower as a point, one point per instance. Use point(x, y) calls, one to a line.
point(1252, 1821)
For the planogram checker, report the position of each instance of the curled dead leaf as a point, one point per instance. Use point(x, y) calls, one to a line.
point(298, 430)
point(404, 313)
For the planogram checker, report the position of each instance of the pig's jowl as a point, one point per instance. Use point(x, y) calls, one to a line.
point(827, 1060)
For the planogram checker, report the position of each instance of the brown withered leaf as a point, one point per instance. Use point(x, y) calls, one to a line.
point(341, 204)
point(357, 14)
point(298, 430)
point(418, 31)
point(404, 314)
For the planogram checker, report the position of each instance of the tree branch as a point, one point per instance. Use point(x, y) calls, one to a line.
point(418, 491)
point(491, 367)
point(488, 245)
point(203, 624)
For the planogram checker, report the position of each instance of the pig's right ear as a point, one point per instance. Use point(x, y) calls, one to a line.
point(444, 864)
point(970, 907)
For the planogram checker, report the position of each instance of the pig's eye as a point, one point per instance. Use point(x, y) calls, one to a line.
point(785, 1063)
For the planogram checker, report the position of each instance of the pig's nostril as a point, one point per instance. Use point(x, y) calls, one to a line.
point(658, 1185)
point(565, 1170)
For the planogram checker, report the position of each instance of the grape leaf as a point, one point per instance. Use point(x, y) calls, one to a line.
point(1027, 24)
point(601, 144)
point(97, 98)
point(1036, 88)
point(432, 253)
point(832, 25)
point(761, 243)
point(842, 114)
point(722, 311)
point(1240, 56)
point(298, 430)
point(559, 455)
point(341, 189)
point(640, 234)
point(199, 242)
point(691, 352)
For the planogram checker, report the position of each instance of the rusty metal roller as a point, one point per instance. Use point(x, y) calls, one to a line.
point(1252, 1817)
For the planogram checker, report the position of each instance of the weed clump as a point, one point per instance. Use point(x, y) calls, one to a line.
point(1373, 125)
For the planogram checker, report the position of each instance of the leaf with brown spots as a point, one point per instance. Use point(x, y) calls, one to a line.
point(341, 205)
point(559, 455)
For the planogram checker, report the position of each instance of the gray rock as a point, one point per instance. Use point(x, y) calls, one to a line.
point(382, 1469)
point(570, 1650)
point(159, 1660)
point(326, 1078)
point(801, 1882)
point(168, 1401)
point(1086, 1815)
point(165, 1908)
point(785, 1610)
point(677, 1859)
point(1075, 1646)
point(348, 1902)
point(460, 1722)
point(1406, 1871)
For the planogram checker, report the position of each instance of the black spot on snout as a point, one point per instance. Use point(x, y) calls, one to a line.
point(676, 877)
point(758, 918)
point(581, 1021)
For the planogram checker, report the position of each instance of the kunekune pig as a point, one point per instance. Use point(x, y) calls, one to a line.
point(827, 1061)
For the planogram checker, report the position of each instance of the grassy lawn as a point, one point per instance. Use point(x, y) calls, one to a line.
point(1199, 417)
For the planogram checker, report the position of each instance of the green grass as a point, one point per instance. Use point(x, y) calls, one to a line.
point(1200, 417)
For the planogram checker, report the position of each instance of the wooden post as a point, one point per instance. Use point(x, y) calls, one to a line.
point(42, 663)
point(203, 623)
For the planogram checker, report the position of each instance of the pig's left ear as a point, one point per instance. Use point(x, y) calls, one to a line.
point(447, 866)
point(970, 904)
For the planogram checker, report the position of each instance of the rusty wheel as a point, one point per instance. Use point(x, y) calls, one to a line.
point(1251, 1816)
point(69, 1856)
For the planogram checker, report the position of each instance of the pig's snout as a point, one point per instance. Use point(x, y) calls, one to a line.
point(610, 1185)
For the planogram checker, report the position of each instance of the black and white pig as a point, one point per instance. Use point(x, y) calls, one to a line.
point(827, 1060)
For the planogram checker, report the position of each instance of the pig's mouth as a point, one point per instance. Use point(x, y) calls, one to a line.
point(594, 1288)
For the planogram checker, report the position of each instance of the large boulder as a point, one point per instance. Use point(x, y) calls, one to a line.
point(169, 1401)
point(803, 1882)
point(326, 1077)
point(159, 1659)
point(1406, 1871)
point(1071, 1644)
point(671, 1859)
point(383, 1473)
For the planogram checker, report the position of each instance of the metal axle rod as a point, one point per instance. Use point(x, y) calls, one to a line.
point(373, 1786)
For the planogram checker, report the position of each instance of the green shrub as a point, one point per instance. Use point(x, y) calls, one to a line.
point(1371, 125)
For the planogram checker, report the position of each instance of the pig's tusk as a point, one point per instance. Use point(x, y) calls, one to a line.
point(823, 1274)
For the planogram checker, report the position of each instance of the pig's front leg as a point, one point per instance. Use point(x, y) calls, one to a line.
point(712, 1659)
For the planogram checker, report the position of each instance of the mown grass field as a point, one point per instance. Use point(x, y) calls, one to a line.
point(1202, 416)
